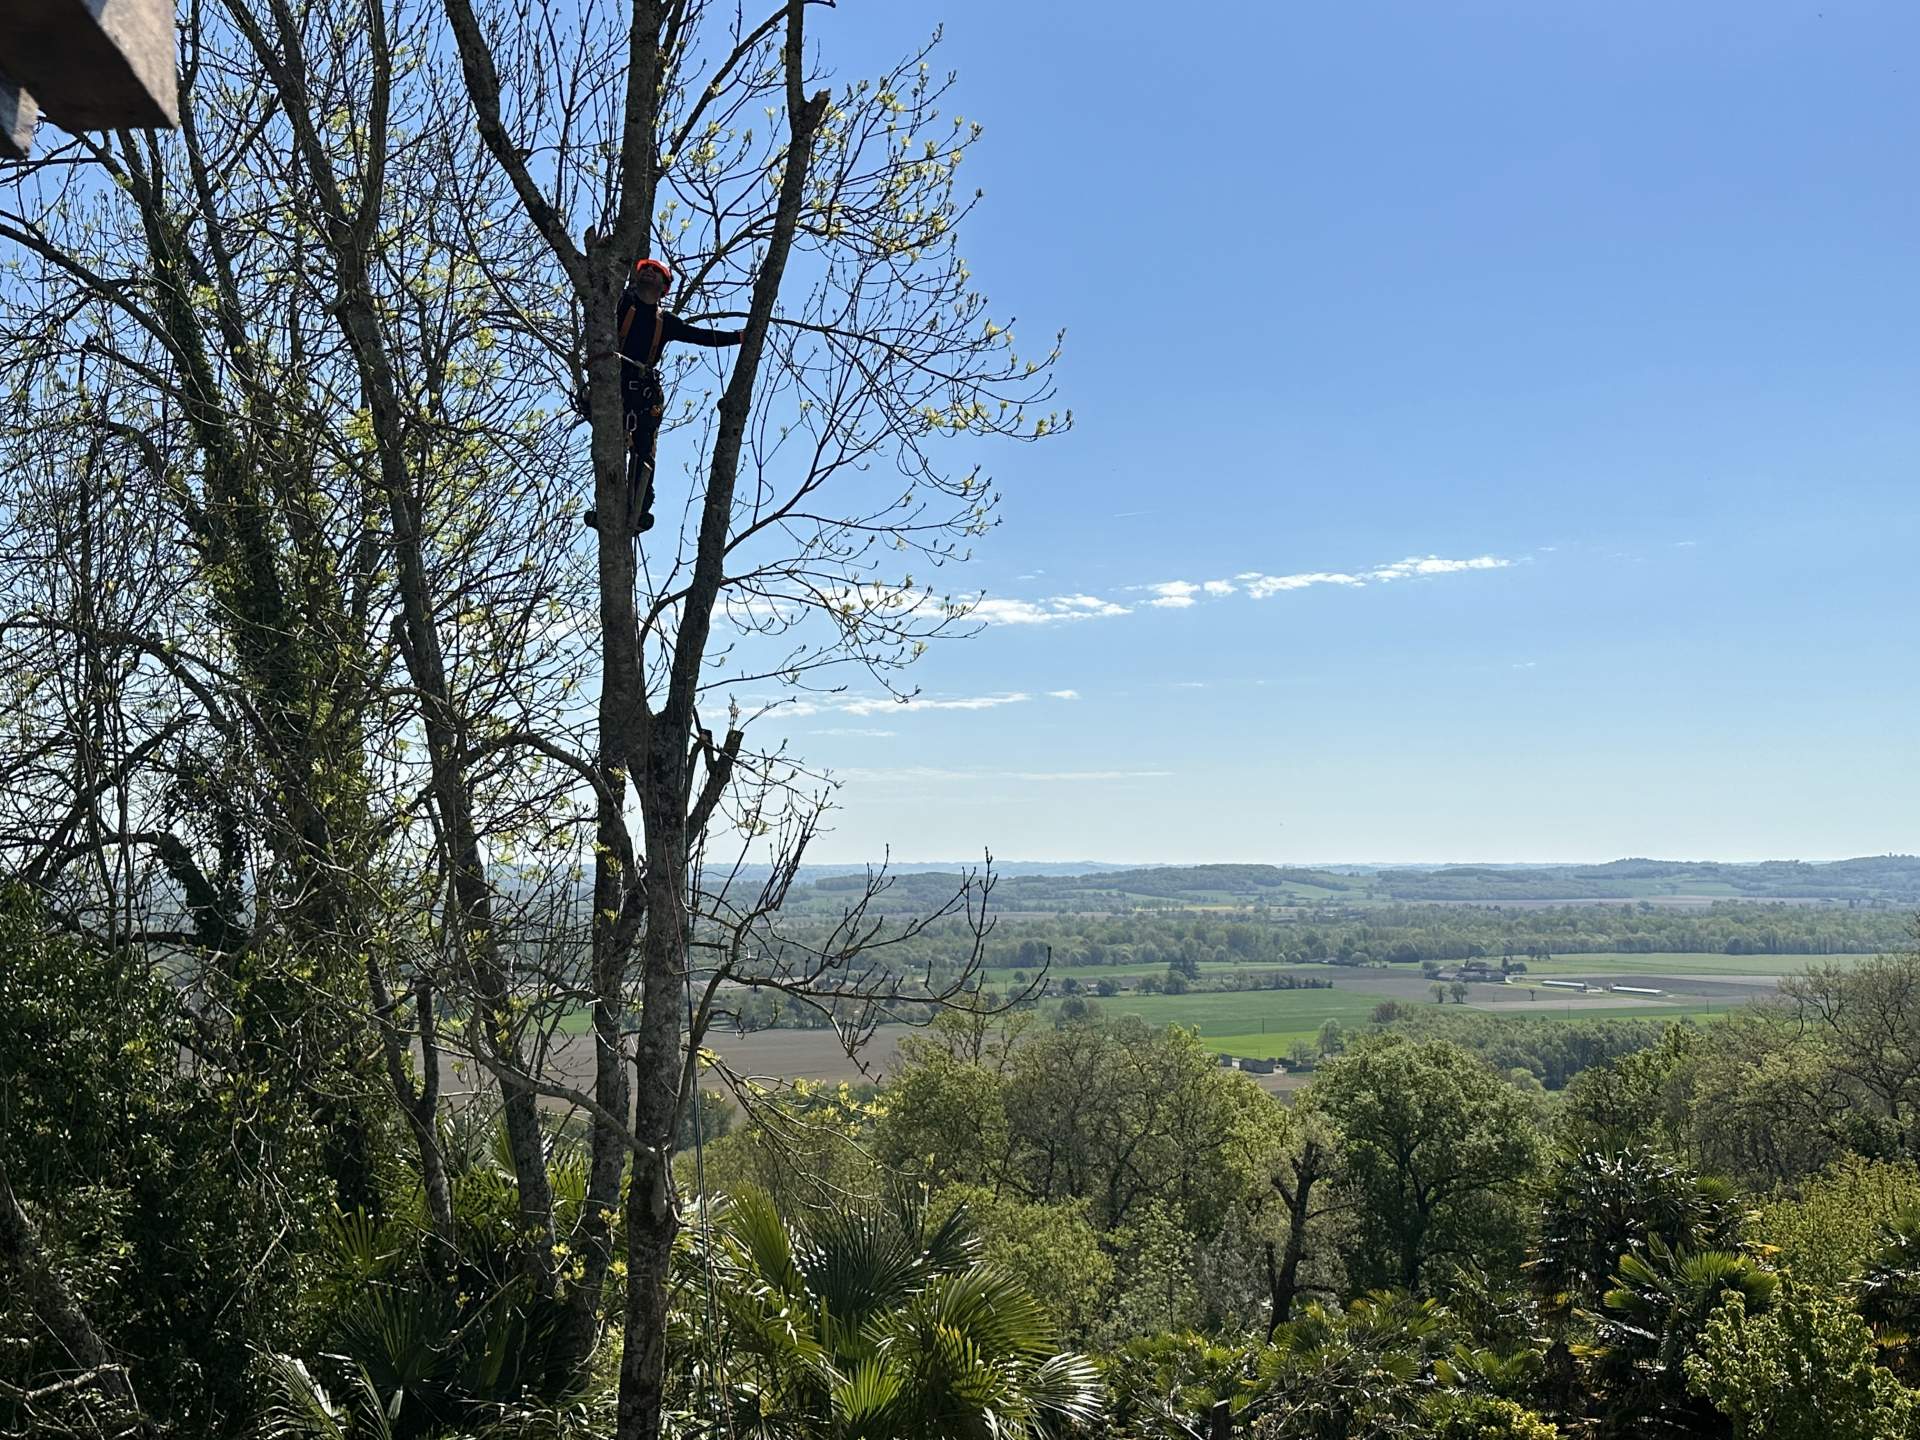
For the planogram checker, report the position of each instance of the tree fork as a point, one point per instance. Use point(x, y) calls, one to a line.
point(665, 795)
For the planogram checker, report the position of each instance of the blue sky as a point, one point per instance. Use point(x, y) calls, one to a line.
point(1620, 302)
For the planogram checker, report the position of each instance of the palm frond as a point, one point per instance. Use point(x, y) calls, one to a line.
point(302, 1409)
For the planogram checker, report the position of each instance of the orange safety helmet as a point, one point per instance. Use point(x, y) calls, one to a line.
point(643, 267)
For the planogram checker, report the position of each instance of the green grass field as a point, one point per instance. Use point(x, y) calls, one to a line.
point(1677, 964)
point(1656, 963)
point(1273, 1044)
point(1268, 1022)
point(1289, 1013)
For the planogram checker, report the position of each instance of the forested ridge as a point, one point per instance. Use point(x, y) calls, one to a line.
point(1408, 935)
point(1889, 880)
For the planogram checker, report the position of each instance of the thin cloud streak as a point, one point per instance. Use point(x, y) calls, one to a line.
point(890, 706)
point(1416, 565)
point(799, 708)
point(930, 774)
point(1256, 584)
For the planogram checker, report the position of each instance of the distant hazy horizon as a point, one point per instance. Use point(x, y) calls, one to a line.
point(1008, 864)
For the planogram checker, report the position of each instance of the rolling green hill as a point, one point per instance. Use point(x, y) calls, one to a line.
point(1890, 881)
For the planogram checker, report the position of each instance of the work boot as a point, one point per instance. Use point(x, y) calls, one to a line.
point(593, 520)
point(643, 523)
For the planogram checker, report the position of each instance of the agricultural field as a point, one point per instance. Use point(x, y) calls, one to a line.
point(1377, 979)
point(1267, 1023)
point(1681, 964)
point(1282, 1012)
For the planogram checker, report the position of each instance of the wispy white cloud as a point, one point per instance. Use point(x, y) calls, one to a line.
point(995, 610)
point(1257, 584)
point(800, 707)
point(1063, 694)
point(928, 774)
point(887, 705)
point(1415, 565)
point(858, 732)
point(1261, 586)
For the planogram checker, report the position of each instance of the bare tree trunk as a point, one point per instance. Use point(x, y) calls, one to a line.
point(617, 907)
point(665, 795)
point(620, 898)
point(652, 1216)
point(22, 1255)
point(419, 1103)
point(1308, 1168)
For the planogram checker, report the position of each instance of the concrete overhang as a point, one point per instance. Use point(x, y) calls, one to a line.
point(18, 114)
point(89, 64)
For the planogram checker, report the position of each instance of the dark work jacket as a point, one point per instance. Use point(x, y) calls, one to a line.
point(639, 334)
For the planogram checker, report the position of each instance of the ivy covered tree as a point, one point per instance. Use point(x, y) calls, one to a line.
point(145, 1206)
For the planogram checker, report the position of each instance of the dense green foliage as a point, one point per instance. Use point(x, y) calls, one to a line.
point(165, 1188)
point(864, 1325)
point(1435, 1147)
point(1087, 1229)
point(1805, 1368)
point(1551, 1052)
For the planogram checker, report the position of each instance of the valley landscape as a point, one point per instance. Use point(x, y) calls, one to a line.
point(1596, 927)
point(828, 720)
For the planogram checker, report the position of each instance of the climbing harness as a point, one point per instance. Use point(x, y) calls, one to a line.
point(643, 401)
point(643, 397)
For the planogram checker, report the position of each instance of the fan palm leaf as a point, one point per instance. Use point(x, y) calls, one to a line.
point(302, 1409)
point(875, 1324)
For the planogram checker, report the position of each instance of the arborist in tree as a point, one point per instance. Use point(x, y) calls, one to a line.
point(646, 328)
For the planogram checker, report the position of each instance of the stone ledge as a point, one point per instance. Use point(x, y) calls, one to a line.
point(18, 115)
point(93, 64)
